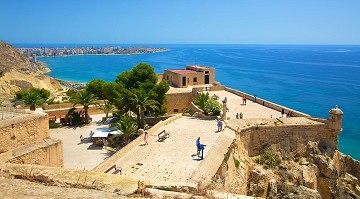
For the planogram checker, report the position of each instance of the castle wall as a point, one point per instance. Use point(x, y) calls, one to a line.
point(291, 139)
point(49, 153)
point(23, 130)
point(178, 101)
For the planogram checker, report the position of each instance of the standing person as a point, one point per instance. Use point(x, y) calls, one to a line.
point(219, 125)
point(146, 137)
point(81, 139)
point(282, 112)
point(245, 99)
point(237, 115)
point(198, 146)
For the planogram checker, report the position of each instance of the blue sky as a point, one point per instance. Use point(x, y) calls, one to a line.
point(181, 22)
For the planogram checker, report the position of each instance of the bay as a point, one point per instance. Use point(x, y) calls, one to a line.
point(309, 78)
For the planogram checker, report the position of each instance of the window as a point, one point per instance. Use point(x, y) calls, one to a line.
point(167, 77)
point(176, 110)
point(206, 72)
point(195, 79)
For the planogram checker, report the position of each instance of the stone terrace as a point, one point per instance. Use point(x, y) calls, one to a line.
point(172, 159)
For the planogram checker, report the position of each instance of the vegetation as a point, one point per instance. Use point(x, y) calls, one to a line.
point(201, 99)
point(136, 90)
point(143, 102)
point(33, 97)
point(212, 107)
point(208, 105)
point(237, 163)
point(107, 107)
point(269, 159)
point(54, 125)
point(127, 125)
point(96, 87)
point(86, 99)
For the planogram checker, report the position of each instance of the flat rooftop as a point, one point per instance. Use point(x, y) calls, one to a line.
point(182, 71)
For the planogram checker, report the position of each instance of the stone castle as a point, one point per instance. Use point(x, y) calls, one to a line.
point(312, 166)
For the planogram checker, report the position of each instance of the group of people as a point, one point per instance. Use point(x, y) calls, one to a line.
point(239, 116)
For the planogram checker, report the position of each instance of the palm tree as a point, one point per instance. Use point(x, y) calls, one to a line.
point(127, 125)
point(33, 99)
point(201, 99)
point(84, 98)
point(143, 103)
point(107, 108)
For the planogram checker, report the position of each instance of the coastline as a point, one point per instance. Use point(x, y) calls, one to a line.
point(111, 54)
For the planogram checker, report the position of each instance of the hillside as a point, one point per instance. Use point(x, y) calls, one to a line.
point(19, 72)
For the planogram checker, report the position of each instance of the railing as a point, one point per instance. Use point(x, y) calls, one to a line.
point(10, 112)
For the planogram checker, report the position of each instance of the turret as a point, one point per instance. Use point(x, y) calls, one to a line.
point(335, 120)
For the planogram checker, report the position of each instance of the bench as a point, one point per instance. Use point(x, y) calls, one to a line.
point(162, 136)
point(117, 170)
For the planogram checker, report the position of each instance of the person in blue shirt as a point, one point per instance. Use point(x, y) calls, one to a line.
point(198, 146)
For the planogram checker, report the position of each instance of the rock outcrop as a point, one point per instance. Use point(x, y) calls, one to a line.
point(18, 72)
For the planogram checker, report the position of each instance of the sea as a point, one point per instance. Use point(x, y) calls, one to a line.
point(309, 78)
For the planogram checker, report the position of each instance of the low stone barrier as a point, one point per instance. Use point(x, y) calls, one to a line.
point(112, 160)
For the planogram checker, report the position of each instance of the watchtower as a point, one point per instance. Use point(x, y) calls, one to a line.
point(335, 120)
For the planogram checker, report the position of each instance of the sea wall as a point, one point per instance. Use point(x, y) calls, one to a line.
point(48, 153)
point(23, 130)
point(267, 103)
point(135, 143)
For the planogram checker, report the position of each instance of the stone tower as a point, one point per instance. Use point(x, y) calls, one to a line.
point(335, 120)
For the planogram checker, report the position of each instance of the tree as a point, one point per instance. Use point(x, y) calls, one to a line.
point(143, 102)
point(107, 107)
point(96, 87)
point(201, 99)
point(86, 99)
point(127, 125)
point(33, 99)
point(132, 85)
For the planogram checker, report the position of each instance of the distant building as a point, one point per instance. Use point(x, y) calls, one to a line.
point(192, 75)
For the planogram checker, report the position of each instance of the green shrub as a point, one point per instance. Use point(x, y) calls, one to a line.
point(75, 118)
point(226, 157)
point(269, 159)
point(186, 110)
point(54, 125)
point(237, 163)
point(212, 107)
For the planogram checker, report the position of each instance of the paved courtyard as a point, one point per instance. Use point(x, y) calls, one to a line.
point(171, 160)
point(80, 156)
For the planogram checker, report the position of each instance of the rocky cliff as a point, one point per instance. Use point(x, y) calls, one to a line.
point(19, 72)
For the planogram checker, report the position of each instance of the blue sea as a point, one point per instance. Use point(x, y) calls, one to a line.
point(309, 78)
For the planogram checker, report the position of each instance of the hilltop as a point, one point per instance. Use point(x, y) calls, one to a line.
point(19, 72)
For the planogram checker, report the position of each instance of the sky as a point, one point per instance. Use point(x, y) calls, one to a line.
point(181, 22)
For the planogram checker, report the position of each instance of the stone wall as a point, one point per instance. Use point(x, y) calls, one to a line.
point(49, 153)
point(178, 101)
point(291, 139)
point(23, 130)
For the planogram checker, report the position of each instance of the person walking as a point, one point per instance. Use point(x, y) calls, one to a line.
point(146, 137)
point(198, 146)
point(219, 125)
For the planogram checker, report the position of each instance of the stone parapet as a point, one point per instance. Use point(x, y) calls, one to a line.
point(22, 130)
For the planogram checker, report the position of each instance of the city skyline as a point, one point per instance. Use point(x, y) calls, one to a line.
point(185, 22)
